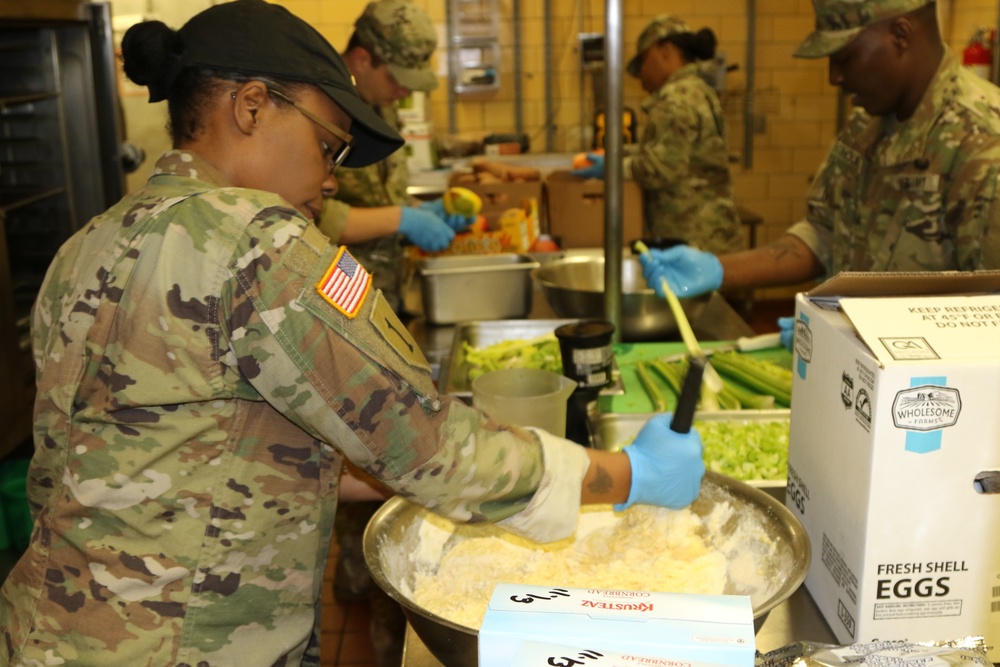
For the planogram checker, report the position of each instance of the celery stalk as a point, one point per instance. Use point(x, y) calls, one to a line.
point(672, 373)
point(655, 396)
point(711, 377)
point(761, 376)
point(745, 398)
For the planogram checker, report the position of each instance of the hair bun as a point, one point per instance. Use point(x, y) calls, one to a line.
point(151, 56)
point(705, 44)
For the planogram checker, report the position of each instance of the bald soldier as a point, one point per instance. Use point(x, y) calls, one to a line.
point(911, 182)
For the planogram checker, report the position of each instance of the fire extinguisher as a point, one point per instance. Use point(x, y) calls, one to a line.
point(978, 55)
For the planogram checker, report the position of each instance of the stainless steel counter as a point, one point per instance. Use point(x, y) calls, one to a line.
point(718, 321)
point(796, 619)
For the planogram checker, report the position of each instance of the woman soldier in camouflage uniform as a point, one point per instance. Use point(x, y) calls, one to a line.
point(206, 360)
point(682, 164)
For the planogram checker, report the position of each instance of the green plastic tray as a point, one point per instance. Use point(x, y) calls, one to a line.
point(635, 399)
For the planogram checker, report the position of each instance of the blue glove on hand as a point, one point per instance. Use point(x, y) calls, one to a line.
point(455, 221)
point(787, 326)
point(667, 467)
point(689, 272)
point(425, 229)
point(596, 168)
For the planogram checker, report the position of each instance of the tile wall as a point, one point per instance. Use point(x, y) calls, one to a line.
point(795, 108)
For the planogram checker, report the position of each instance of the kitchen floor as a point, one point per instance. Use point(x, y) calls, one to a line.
point(345, 637)
point(345, 640)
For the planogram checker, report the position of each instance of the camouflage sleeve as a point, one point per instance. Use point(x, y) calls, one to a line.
point(333, 218)
point(974, 212)
point(358, 382)
point(816, 230)
point(665, 152)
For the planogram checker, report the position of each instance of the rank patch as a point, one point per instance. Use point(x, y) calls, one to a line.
point(345, 284)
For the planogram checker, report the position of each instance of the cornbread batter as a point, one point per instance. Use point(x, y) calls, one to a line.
point(645, 548)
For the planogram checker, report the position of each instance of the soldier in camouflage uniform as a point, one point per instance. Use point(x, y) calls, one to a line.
point(389, 55)
point(911, 183)
point(683, 161)
point(206, 360)
point(682, 164)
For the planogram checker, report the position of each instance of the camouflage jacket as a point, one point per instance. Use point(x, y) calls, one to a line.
point(380, 184)
point(918, 195)
point(683, 166)
point(199, 383)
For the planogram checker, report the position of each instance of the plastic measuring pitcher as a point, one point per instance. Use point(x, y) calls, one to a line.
point(525, 396)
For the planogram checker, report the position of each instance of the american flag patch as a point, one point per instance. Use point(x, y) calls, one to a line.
point(345, 284)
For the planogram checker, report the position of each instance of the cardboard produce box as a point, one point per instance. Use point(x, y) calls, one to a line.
point(502, 196)
point(574, 210)
point(514, 232)
point(895, 453)
point(679, 626)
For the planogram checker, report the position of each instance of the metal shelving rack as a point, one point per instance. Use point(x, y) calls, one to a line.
point(59, 166)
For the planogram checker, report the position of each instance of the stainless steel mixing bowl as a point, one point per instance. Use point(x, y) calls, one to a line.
point(574, 288)
point(775, 540)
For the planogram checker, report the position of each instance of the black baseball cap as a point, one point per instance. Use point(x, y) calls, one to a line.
point(254, 37)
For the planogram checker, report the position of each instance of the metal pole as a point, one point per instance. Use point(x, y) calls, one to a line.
point(518, 94)
point(550, 129)
point(613, 153)
point(750, 98)
point(452, 75)
point(108, 109)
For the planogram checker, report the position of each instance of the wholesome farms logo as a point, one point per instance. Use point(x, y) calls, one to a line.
point(926, 408)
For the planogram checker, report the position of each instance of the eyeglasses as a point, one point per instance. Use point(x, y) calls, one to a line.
point(337, 156)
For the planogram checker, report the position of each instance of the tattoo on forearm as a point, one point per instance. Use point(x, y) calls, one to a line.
point(784, 247)
point(602, 483)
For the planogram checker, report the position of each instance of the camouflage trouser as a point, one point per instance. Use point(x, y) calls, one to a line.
point(353, 582)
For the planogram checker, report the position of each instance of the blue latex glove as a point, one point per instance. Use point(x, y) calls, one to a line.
point(787, 327)
point(596, 168)
point(689, 272)
point(667, 467)
point(425, 229)
point(455, 221)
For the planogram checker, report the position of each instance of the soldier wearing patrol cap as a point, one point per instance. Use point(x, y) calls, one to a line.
point(682, 164)
point(389, 55)
point(912, 182)
point(206, 360)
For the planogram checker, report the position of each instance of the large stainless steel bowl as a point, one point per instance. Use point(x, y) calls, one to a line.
point(574, 288)
point(774, 539)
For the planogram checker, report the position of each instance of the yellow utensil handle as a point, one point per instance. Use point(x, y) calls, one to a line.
point(711, 376)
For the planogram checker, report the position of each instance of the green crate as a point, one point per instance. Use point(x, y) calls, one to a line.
point(14, 502)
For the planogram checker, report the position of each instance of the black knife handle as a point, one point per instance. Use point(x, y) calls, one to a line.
point(688, 399)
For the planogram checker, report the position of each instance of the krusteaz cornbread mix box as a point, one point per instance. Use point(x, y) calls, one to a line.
point(544, 654)
point(894, 457)
point(683, 627)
